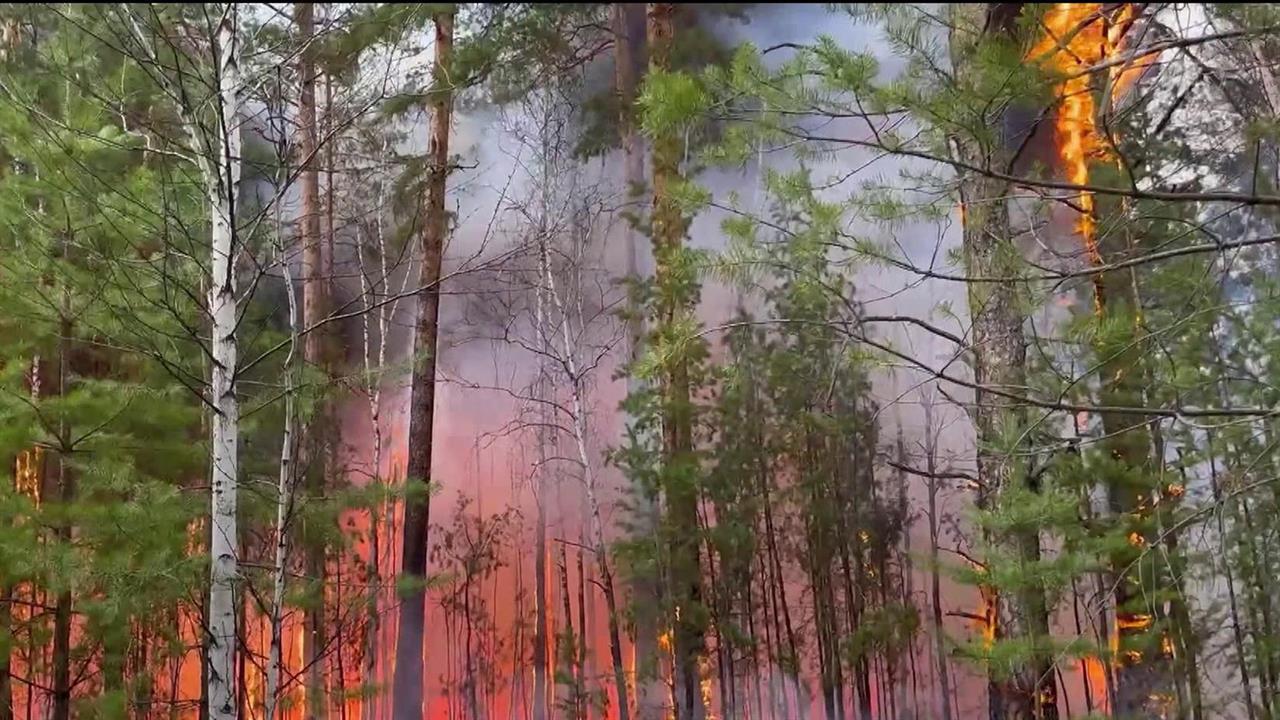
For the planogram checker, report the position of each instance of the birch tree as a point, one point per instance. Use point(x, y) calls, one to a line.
point(223, 182)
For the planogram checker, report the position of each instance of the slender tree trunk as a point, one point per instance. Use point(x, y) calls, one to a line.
point(756, 698)
point(1146, 678)
point(224, 183)
point(566, 639)
point(791, 667)
point(649, 694)
point(1237, 634)
point(284, 506)
point(542, 631)
point(407, 693)
point(6, 652)
point(541, 639)
point(314, 308)
point(681, 490)
point(935, 580)
point(65, 482)
point(578, 407)
point(63, 478)
point(580, 700)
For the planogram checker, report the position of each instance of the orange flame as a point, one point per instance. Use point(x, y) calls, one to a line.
point(1095, 673)
point(1078, 37)
point(986, 617)
point(27, 473)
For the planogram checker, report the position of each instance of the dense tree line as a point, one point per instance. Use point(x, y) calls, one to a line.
point(912, 363)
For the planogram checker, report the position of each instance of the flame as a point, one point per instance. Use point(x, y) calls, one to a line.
point(1096, 674)
point(987, 617)
point(26, 477)
point(1128, 624)
point(1133, 621)
point(1078, 37)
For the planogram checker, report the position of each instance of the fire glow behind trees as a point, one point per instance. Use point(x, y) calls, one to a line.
point(877, 361)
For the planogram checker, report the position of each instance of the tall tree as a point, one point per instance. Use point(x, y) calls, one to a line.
point(628, 50)
point(314, 309)
point(675, 300)
point(407, 687)
point(222, 178)
point(1026, 689)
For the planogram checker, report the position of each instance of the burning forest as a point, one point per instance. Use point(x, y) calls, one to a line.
point(631, 361)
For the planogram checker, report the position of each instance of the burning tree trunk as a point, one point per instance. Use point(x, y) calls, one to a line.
point(999, 365)
point(1145, 675)
point(407, 688)
point(1079, 36)
point(223, 179)
point(314, 308)
point(680, 468)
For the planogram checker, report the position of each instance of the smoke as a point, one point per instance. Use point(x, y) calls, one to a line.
point(484, 463)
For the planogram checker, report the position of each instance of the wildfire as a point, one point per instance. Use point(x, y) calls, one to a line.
point(706, 697)
point(27, 473)
point(1078, 38)
point(1129, 624)
point(1133, 621)
point(1095, 673)
point(987, 618)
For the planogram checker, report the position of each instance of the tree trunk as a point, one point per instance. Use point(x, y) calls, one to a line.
point(680, 486)
point(6, 652)
point(1145, 677)
point(565, 641)
point(999, 363)
point(314, 308)
point(541, 640)
point(649, 694)
point(63, 479)
point(224, 183)
point(580, 698)
point(791, 667)
point(578, 407)
point(284, 506)
point(542, 630)
point(935, 580)
point(407, 685)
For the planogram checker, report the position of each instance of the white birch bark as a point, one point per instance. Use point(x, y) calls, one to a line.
point(284, 497)
point(223, 183)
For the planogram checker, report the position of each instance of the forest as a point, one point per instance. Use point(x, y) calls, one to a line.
point(725, 361)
